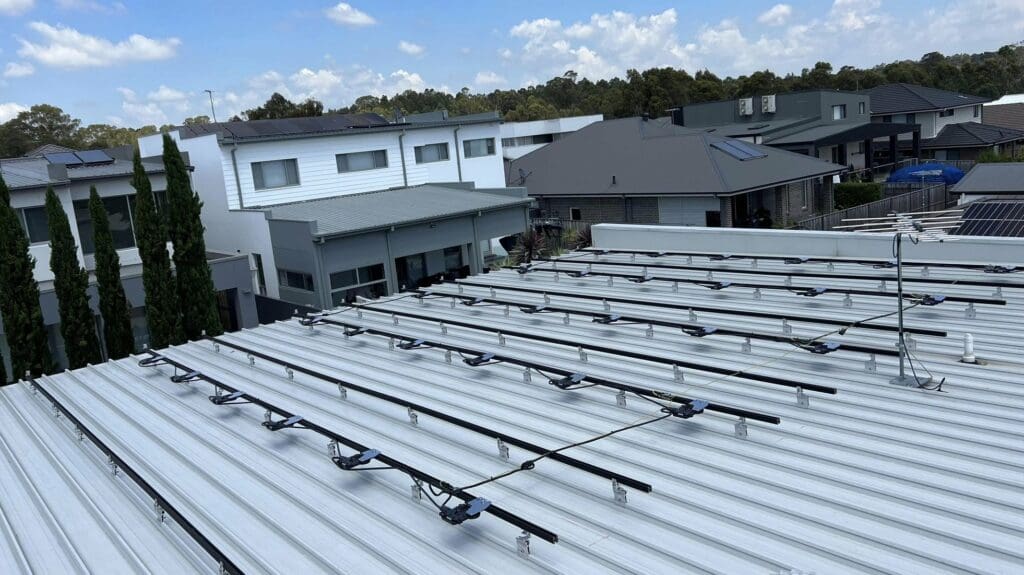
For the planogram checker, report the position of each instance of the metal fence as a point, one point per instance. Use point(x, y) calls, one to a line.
point(933, 197)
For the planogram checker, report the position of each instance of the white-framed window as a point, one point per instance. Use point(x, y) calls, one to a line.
point(861, 108)
point(977, 111)
point(367, 281)
point(946, 113)
point(575, 214)
point(432, 153)
point(839, 111)
point(359, 161)
point(275, 174)
point(478, 147)
point(295, 280)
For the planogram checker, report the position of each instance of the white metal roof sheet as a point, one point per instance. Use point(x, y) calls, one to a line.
point(873, 479)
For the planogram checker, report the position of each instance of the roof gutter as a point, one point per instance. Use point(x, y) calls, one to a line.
point(238, 181)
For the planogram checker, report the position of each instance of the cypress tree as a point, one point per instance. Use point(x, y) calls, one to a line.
point(3, 371)
point(196, 293)
point(71, 282)
point(158, 281)
point(19, 296)
point(117, 315)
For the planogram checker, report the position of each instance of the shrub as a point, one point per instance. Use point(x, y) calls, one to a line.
point(850, 194)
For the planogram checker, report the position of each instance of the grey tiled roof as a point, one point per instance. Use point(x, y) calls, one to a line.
point(972, 135)
point(375, 210)
point(902, 98)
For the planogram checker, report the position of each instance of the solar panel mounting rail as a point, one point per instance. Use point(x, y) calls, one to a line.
point(493, 509)
point(225, 564)
point(809, 259)
point(884, 351)
point(794, 289)
point(928, 280)
point(708, 309)
point(655, 394)
point(511, 440)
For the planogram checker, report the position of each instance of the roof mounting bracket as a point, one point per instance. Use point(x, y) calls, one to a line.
point(641, 279)
point(579, 274)
point(700, 331)
point(533, 308)
point(795, 261)
point(231, 398)
point(523, 269)
point(187, 377)
point(468, 510)
point(813, 292)
point(822, 347)
point(568, 381)
point(482, 359)
point(607, 319)
point(686, 411)
point(411, 344)
point(657, 254)
point(356, 331)
point(153, 361)
point(353, 461)
point(423, 294)
point(718, 285)
point(889, 264)
point(282, 423)
point(311, 321)
point(1001, 269)
point(722, 257)
point(931, 300)
point(473, 301)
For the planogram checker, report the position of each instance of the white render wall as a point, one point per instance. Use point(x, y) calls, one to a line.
point(554, 126)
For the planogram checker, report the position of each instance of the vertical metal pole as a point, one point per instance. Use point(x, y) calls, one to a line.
point(899, 299)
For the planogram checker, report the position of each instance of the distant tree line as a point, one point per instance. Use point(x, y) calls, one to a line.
point(652, 91)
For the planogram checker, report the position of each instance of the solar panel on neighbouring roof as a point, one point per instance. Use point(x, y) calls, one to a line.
point(66, 158)
point(94, 157)
point(993, 219)
point(739, 149)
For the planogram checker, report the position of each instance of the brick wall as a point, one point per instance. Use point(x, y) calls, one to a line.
point(644, 211)
point(592, 209)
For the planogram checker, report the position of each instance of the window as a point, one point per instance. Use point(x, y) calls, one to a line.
point(367, 281)
point(508, 142)
point(887, 119)
point(359, 161)
point(946, 113)
point(261, 279)
point(119, 216)
point(953, 155)
point(432, 153)
point(453, 259)
point(860, 147)
point(575, 214)
point(911, 118)
point(275, 174)
point(861, 108)
point(295, 280)
point(35, 223)
point(977, 111)
point(839, 112)
point(481, 147)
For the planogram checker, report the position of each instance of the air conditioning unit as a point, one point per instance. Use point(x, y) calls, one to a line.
point(768, 104)
point(746, 106)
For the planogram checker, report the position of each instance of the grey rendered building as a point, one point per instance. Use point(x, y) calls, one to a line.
point(71, 174)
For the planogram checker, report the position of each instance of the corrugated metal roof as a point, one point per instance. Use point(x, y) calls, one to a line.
point(630, 156)
point(874, 479)
point(902, 98)
point(357, 213)
point(992, 178)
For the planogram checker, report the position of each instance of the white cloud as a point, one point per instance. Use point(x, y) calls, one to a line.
point(165, 94)
point(15, 7)
point(488, 78)
point(127, 94)
point(64, 47)
point(92, 6)
point(852, 15)
point(143, 113)
point(319, 84)
point(410, 48)
point(776, 15)
point(9, 110)
point(505, 53)
point(346, 15)
point(18, 70)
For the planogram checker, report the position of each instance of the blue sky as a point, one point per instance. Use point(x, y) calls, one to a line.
point(134, 63)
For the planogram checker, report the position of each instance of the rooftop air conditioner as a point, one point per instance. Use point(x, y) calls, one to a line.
point(768, 104)
point(746, 106)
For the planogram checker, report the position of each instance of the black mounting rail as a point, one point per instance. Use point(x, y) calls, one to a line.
point(713, 284)
point(608, 350)
point(531, 447)
point(796, 274)
point(226, 565)
point(715, 330)
point(708, 309)
point(796, 259)
point(494, 510)
point(543, 368)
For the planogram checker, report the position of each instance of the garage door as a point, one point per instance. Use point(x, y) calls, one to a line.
point(686, 211)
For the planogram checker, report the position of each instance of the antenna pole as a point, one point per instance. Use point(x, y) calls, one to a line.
point(213, 111)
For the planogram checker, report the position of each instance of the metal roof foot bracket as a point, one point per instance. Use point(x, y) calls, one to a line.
point(216, 347)
point(342, 392)
point(79, 435)
point(789, 281)
point(649, 333)
point(444, 328)
point(359, 314)
point(394, 319)
point(527, 376)
point(998, 292)
point(802, 399)
point(632, 257)
point(871, 364)
point(501, 339)
point(452, 302)
point(924, 271)
point(881, 286)
point(565, 319)
point(831, 267)
point(417, 490)
point(677, 373)
point(506, 310)
point(607, 306)
point(112, 465)
point(159, 512)
point(745, 348)
point(391, 344)
point(523, 545)
point(460, 288)
point(556, 276)
point(740, 430)
point(252, 360)
point(910, 341)
point(970, 312)
point(288, 371)
point(693, 316)
point(786, 328)
point(675, 287)
point(448, 356)
point(753, 263)
point(332, 449)
point(757, 293)
point(583, 354)
point(547, 299)
point(619, 492)
point(414, 418)
point(620, 398)
point(689, 259)
point(711, 276)
point(502, 450)
point(610, 281)
point(847, 301)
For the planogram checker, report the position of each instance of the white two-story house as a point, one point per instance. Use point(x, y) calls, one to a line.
point(246, 172)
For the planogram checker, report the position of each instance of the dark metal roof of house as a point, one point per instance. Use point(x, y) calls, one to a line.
point(992, 178)
point(39, 171)
point(993, 218)
point(1004, 115)
point(329, 125)
point(971, 135)
point(48, 149)
point(359, 213)
point(902, 98)
point(634, 157)
point(838, 133)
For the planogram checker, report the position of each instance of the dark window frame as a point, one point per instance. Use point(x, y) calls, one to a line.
point(491, 148)
point(284, 280)
point(418, 153)
point(343, 166)
point(259, 183)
